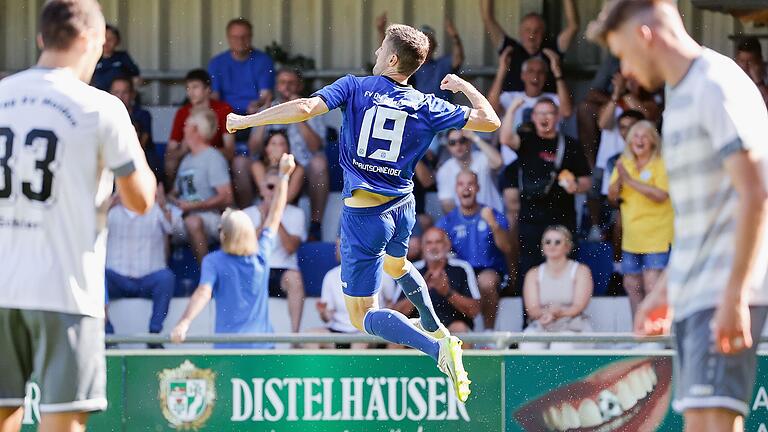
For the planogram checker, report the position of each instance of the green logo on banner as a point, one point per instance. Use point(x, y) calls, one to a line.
point(187, 395)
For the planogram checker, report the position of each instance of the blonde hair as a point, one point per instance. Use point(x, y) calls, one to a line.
point(205, 120)
point(652, 131)
point(563, 230)
point(238, 236)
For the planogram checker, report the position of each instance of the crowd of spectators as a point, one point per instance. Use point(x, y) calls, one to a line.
point(509, 208)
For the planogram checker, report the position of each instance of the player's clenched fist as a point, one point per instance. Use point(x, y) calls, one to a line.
point(287, 164)
point(234, 122)
point(453, 83)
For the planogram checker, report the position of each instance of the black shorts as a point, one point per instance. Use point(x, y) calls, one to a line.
point(275, 276)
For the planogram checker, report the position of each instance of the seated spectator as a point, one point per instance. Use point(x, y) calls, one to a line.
point(277, 145)
point(640, 182)
point(482, 162)
point(237, 275)
point(479, 236)
point(612, 143)
point(428, 77)
point(113, 63)
point(557, 292)
point(550, 170)
point(202, 188)
point(199, 97)
point(749, 56)
point(136, 261)
point(532, 40)
point(122, 88)
point(307, 145)
point(333, 309)
point(451, 282)
point(242, 76)
point(284, 275)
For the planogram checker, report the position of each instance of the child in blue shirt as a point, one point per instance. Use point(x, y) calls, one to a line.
point(238, 274)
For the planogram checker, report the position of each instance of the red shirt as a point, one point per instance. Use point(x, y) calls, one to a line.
point(220, 108)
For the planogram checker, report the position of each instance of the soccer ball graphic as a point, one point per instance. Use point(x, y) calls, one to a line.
point(609, 405)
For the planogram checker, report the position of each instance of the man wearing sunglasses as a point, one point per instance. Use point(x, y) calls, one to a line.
point(483, 162)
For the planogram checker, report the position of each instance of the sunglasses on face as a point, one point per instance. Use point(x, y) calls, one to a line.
point(555, 242)
point(458, 141)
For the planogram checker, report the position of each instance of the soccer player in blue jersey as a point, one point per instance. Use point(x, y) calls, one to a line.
point(387, 128)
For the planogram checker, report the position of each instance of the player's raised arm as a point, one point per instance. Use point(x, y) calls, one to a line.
point(482, 117)
point(294, 111)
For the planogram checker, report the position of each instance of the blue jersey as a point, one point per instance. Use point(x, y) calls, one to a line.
point(386, 130)
point(472, 239)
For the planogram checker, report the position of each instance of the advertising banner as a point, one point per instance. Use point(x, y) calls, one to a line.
point(391, 392)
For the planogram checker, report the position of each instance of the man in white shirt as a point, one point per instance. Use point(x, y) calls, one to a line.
point(284, 275)
point(136, 259)
point(716, 284)
point(59, 135)
point(483, 162)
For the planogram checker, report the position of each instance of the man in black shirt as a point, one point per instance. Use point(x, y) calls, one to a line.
point(532, 39)
point(551, 168)
point(452, 284)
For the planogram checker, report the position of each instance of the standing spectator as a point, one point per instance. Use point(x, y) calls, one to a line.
point(427, 78)
point(612, 144)
point(588, 112)
point(238, 275)
point(532, 40)
point(550, 170)
point(482, 162)
point(333, 309)
point(640, 182)
point(284, 276)
point(202, 188)
point(114, 63)
point(451, 282)
point(277, 145)
point(749, 57)
point(199, 97)
point(242, 76)
point(122, 87)
point(557, 292)
point(479, 236)
point(307, 145)
point(136, 261)
point(533, 75)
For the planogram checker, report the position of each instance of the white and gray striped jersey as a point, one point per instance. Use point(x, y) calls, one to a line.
point(57, 135)
point(713, 112)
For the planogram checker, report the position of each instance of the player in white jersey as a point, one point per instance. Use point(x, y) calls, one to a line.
point(57, 138)
point(715, 147)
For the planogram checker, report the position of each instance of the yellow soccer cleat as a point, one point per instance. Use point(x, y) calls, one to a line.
point(450, 363)
point(440, 333)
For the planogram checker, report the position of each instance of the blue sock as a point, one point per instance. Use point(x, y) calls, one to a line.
point(415, 288)
point(395, 327)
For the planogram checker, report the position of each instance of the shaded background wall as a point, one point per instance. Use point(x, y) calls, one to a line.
point(168, 37)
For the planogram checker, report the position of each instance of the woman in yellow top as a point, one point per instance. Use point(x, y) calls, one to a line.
point(640, 184)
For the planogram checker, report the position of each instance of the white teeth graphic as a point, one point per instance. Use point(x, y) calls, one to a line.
point(652, 374)
point(635, 382)
point(589, 413)
point(625, 395)
point(553, 419)
point(645, 374)
point(570, 417)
